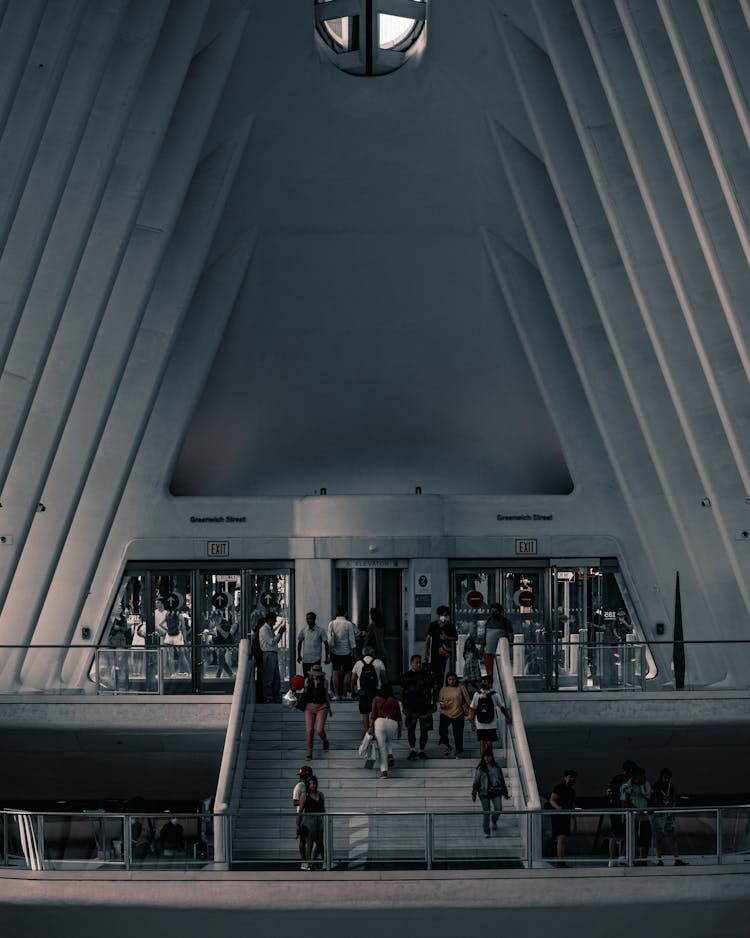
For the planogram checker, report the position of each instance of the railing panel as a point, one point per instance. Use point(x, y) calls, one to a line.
point(377, 839)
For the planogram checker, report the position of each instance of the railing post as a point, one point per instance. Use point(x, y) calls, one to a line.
point(581, 662)
point(428, 846)
point(530, 839)
point(42, 846)
point(327, 841)
point(5, 838)
point(629, 830)
point(127, 841)
point(719, 850)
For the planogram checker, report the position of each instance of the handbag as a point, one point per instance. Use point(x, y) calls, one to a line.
point(301, 701)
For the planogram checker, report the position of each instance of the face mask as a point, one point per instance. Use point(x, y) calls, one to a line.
point(442, 618)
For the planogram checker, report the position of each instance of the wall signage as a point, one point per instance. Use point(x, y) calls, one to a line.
point(525, 545)
point(218, 519)
point(423, 583)
point(217, 548)
point(532, 517)
point(474, 599)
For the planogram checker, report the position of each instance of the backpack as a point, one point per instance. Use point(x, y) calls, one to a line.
point(612, 793)
point(172, 623)
point(486, 708)
point(368, 679)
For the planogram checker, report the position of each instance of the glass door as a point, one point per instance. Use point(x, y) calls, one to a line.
point(373, 595)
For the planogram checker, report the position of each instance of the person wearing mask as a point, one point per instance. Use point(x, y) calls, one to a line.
point(385, 719)
point(440, 644)
point(418, 702)
point(342, 642)
point(268, 640)
point(496, 627)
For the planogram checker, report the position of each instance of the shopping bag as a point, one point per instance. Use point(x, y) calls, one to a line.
point(373, 753)
point(364, 746)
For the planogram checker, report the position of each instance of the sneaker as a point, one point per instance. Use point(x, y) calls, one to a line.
point(660, 862)
point(561, 865)
point(459, 755)
point(412, 754)
point(612, 863)
point(486, 836)
point(422, 754)
point(304, 866)
point(309, 756)
point(681, 863)
point(384, 775)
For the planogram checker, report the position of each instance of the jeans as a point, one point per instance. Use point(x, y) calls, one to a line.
point(458, 731)
point(271, 677)
point(497, 806)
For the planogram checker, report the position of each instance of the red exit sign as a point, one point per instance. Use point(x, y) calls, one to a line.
point(217, 548)
point(527, 546)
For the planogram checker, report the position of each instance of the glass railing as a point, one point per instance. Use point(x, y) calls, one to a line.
point(98, 840)
point(134, 670)
point(699, 836)
point(605, 665)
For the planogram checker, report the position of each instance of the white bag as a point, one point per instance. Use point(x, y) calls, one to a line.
point(365, 745)
point(290, 699)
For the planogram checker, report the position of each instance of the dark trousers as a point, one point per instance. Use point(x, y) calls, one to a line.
point(458, 731)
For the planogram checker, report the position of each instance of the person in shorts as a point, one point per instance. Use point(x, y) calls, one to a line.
point(563, 798)
point(368, 676)
point(342, 641)
point(483, 715)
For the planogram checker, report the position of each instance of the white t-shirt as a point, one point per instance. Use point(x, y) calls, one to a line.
point(299, 789)
point(376, 663)
point(474, 704)
point(341, 637)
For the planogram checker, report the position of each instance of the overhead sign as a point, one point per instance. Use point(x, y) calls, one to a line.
point(217, 548)
point(526, 545)
point(474, 599)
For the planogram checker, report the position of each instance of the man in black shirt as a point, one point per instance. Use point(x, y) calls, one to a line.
point(563, 798)
point(418, 702)
point(440, 644)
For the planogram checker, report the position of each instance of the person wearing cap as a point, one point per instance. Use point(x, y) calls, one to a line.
point(317, 708)
point(312, 641)
point(305, 771)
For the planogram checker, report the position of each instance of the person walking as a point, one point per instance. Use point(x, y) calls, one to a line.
point(483, 714)
point(563, 798)
point(440, 644)
point(312, 642)
point(472, 667)
point(342, 642)
point(299, 789)
point(418, 702)
point(375, 635)
point(268, 639)
point(665, 837)
point(496, 627)
point(368, 675)
point(312, 806)
point(453, 704)
point(317, 708)
point(636, 792)
point(385, 719)
point(489, 785)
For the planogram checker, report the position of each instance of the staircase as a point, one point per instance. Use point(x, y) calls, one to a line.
point(365, 829)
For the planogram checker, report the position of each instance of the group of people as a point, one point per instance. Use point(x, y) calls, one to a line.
point(627, 789)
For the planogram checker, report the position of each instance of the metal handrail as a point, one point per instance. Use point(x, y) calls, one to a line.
point(225, 786)
point(517, 730)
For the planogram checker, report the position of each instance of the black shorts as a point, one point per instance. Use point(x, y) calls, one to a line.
point(617, 825)
point(342, 662)
point(560, 825)
point(488, 735)
point(365, 704)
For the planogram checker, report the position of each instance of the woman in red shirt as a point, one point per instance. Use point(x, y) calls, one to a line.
point(385, 720)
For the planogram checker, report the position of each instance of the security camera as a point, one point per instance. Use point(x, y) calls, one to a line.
point(706, 502)
point(742, 535)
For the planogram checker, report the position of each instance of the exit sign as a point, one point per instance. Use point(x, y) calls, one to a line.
point(526, 546)
point(217, 548)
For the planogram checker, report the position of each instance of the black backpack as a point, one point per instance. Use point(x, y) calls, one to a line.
point(368, 679)
point(612, 794)
point(486, 708)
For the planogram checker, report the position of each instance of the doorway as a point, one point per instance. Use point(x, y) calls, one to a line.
point(361, 588)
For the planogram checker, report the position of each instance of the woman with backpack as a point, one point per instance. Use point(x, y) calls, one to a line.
point(385, 720)
point(489, 784)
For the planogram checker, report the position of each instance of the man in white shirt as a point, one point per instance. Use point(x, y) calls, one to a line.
point(368, 675)
point(342, 642)
point(269, 640)
point(311, 643)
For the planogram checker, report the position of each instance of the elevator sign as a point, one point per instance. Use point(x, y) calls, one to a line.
point(217, 548)
point(526, 546)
